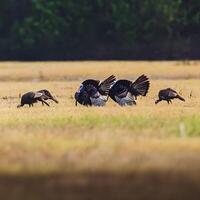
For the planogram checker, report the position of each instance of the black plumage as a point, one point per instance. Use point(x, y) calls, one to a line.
point(48, 95)
point(30, 98)
point(93, 92)
point(167, 95)
point(125, 92)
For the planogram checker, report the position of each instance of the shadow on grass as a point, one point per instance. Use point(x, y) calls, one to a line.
point(143, 185)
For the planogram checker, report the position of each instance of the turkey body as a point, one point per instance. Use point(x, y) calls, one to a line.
point(125, 92)
point(167, 95)
point(30, 98)
point(93, 92)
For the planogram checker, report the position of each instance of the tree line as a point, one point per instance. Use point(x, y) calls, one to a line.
point(99, 29)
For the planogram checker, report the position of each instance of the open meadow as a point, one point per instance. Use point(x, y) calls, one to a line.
point(68, 152)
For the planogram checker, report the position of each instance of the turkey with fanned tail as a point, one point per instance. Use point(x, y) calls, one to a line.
point(93, 92)
point(125, 92)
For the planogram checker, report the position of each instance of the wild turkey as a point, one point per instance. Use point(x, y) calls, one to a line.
point(125, 92)
point(167, 95)
point(48, 95)
point(93, 93)
point(32, 97)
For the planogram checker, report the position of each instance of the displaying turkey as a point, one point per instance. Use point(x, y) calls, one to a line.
point(30, 98)
point(167, 95)
point(125, 92)
point(93, 92)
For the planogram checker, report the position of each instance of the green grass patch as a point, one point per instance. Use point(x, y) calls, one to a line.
point(188, 125)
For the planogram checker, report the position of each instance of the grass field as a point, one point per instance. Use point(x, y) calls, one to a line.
point(67, 152)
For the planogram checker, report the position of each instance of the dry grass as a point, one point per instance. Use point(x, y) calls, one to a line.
point(49, 71)
point(93, 144)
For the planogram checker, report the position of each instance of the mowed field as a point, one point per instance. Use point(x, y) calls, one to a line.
point(68, 152)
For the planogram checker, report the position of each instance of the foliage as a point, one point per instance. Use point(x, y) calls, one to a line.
point(67, 27)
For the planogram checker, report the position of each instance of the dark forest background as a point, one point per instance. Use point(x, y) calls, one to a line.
point(99, 29)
